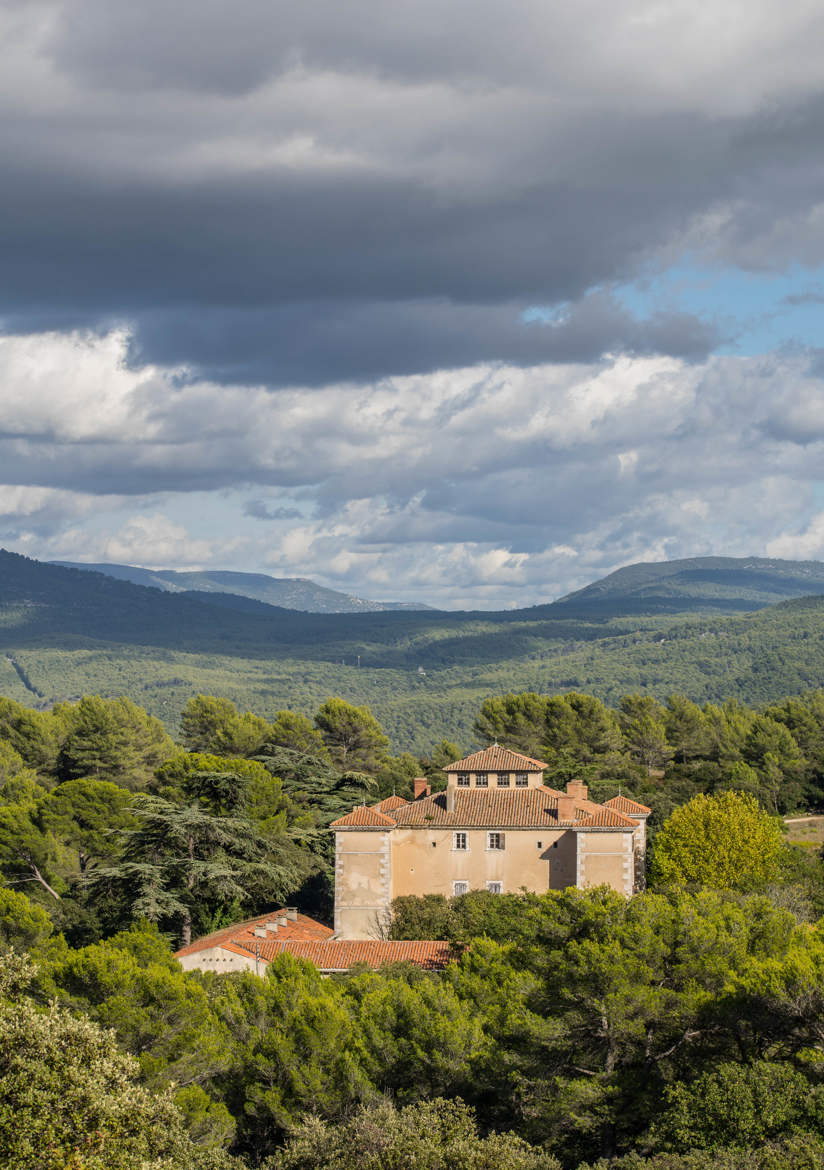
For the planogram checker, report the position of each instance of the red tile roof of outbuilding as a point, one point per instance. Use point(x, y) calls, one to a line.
point(341, 954)
point(301, 928)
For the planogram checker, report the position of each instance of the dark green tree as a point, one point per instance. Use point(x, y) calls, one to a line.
point(183, 863)
point(352, 735)
point(211, 724)
point(110, 739)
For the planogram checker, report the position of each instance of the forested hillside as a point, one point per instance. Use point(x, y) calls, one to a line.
point(288, 592)
point(724, 583)
point(64, 633)
point(679, 1030)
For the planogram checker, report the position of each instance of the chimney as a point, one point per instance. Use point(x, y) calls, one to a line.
point(282, 920)
point(273, 926)
point(292, 913)
point(566, 806)
point(420, 787)
point(578, 789)
point(260, 932)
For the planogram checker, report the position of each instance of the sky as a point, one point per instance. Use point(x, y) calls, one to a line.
point(464, 304)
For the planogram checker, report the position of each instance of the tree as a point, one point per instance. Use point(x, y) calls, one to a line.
point(247, 783)
point(110, 739)
point(420, 1040)
point(28, 852)
point(289, 729)
point(36, 735)
point(396, 774)
point(738, 1105)
point(517, 721)
point(305, 1059)
point(133, 984)
point(724, 841)
point(23, 925)
point(686, 728)
point(352, 735)
point(86, 815)
point(210, 724)
point(184, 861)
point(642, 725)
point(431, 1135)
point(70, 1098)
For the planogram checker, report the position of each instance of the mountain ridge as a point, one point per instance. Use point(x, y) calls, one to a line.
point(296, 593)
point(65, 632)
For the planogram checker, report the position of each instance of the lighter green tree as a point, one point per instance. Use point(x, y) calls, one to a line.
point(725, 841)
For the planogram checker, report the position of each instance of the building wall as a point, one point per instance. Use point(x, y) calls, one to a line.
point(363, 882)
point(218, 959)
point(639, 846)
point(534, 780)
point(424, 862)
point(606, 858)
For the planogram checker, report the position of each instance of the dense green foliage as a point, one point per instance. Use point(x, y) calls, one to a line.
point(676, 1031)
point(64, 633)
point(724, 841)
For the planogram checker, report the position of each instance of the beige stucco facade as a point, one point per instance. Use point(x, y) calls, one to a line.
point(496, 827)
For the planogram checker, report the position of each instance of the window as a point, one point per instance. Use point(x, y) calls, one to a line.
point(495, 887)
point(463, 779)
point(481, 780)
point(459, 841)
point(459, 888)
point(495, 840)
point(521, 780)
point(503, 779)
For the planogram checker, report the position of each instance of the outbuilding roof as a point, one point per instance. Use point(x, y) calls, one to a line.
point(496, 759)
point(341, 954)
point(295, 927)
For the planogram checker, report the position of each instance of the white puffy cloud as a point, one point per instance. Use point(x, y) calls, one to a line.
point(491, 485)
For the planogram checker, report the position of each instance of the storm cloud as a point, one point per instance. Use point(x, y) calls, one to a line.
point(366, 282)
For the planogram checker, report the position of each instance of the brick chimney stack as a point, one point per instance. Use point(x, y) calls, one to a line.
point(578, 789)
point(566, 806)
point(420, 787)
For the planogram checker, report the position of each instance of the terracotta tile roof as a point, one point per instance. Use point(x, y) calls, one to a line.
point(496, 759)
point(606, 818)
point(518, 808)
point(364, 818)
point(341, 954)
point(301, 928)
point(390, 803)
point(625, 805)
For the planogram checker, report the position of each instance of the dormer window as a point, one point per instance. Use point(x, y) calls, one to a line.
point(503, 779)
point(482, 780)
point(521, 780)
point(463, 779)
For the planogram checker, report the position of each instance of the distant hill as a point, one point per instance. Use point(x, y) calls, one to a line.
point(698, 583)
point(65, 632)
point(288, 592)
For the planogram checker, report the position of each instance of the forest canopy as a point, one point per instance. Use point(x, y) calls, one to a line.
point(573, 1029)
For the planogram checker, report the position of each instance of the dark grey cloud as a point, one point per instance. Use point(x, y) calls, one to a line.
point(290, 193)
